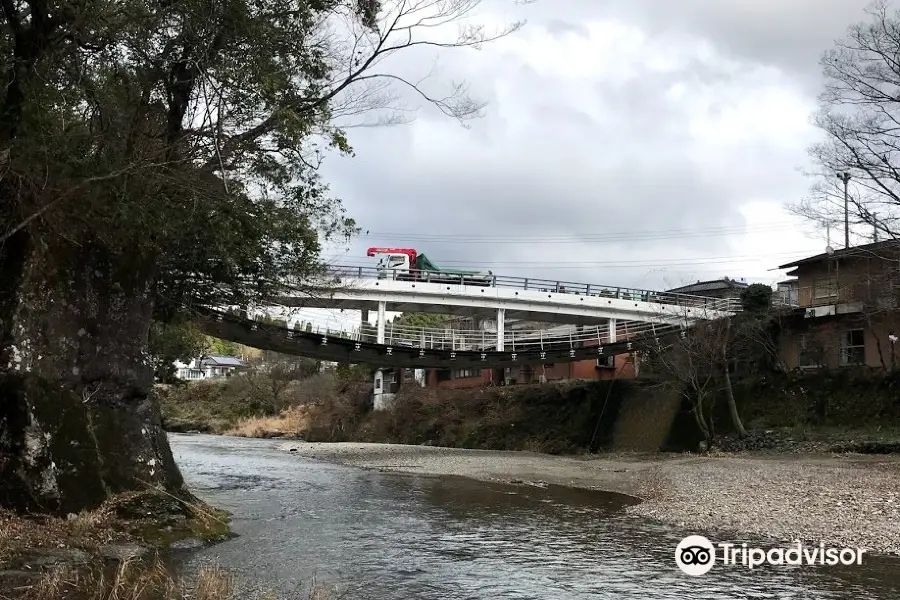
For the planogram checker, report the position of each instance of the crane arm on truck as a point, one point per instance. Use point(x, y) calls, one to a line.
point(410, 252)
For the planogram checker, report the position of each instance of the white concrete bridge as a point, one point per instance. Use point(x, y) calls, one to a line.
point(501, 298)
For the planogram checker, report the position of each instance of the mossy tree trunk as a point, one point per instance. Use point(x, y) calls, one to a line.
point(77, 421)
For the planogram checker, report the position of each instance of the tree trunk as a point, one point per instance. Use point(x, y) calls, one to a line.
point(699, 418)
point(77, 421)
point(732, 405)
point(729, 391)
point(13, 258)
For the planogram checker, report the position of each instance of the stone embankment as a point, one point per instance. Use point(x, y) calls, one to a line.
point(841, 500)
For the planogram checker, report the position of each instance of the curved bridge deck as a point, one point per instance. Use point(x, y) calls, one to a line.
point(340, 347)
point(364, 288)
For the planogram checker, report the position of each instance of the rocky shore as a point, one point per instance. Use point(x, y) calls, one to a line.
point(841, 500)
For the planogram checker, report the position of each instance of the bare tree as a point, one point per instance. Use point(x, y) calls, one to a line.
point(694, 361)
point(860, 115)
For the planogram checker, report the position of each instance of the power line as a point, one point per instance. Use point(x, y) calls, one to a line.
point(661, 262)
point(582, 238)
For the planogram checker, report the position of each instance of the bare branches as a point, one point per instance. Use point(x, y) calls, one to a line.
point(359, 82)
point(860, 115)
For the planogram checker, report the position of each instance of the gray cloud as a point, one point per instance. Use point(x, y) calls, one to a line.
point(601, 154)
point(788, 34)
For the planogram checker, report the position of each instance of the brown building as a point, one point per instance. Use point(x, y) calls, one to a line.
point(847, 311)
point(620, 366)
point(716, 288)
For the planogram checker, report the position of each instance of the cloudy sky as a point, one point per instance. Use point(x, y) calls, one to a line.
point(628, 142)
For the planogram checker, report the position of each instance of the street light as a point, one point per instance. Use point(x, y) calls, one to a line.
point(845, 177)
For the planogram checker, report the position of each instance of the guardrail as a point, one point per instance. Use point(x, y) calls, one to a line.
point(338, 273)
point(462, 339)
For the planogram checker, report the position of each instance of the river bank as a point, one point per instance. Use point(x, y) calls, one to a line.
point(846, 500)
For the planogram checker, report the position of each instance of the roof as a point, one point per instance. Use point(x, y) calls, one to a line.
point(845, 252)
point(225, 361)
point(713, 284)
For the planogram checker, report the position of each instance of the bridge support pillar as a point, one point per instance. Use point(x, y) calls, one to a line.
point(381, 310)
point(501, 328)
point(611, 323)
point(380, 395)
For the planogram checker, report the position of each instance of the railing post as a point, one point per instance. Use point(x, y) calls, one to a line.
point(359, 275)
point(526, 284)
point(587, 290)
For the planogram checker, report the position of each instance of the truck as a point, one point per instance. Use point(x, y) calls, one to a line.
point(406, 264)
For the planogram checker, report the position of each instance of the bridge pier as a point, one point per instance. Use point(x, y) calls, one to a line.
point(501, 328)
point(611, 324)
point(380, 398)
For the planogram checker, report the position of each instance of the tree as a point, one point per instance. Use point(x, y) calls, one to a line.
point(859, 111)
point(700, 360)
point(420, 320)
point(158, 156)
point(174, 341)
point(692, 362)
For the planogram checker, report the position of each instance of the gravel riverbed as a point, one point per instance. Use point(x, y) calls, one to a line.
point(841, 500)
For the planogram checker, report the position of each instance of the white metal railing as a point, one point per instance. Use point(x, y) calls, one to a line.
point(469, 339)
point(339, 274)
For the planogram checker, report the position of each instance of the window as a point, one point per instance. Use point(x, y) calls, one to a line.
point(606, 362)
point(807, 353)
point(825, 288)
point(853, 347)
point(465, 373)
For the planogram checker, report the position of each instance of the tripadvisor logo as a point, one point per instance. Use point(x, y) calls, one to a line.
point(696, 555)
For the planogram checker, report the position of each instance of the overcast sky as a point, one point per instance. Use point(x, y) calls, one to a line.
point(628, 142)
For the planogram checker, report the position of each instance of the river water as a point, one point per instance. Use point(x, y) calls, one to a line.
point(384, 536)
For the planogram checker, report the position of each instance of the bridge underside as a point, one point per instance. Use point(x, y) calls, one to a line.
point(271, 337)
point(443, 309)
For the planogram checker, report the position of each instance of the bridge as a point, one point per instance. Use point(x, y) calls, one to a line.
point(434, 348)
point(600, 320)
point(519, 298)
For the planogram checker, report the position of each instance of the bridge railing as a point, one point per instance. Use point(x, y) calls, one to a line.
point(340, 273)
point(472, 339)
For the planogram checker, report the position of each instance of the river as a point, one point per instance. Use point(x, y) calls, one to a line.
point(384, 536)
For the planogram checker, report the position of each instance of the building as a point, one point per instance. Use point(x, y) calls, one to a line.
point(209, 367)
point(610, 367)
point(724, 288)
point(846, 308)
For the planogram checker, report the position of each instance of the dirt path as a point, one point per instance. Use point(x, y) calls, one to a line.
point(846, 500)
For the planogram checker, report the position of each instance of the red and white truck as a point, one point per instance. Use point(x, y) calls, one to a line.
point(407, 264)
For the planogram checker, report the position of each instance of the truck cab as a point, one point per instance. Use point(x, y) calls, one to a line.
point(395, 263)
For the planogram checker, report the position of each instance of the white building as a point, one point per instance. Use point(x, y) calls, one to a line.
point(209, 367)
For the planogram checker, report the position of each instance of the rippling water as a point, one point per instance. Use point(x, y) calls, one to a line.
point(390, 537)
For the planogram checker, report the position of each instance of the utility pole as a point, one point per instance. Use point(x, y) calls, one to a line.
point(845, 177)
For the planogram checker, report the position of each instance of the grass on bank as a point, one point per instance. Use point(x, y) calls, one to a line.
point(152, 519)
point(146, 580)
